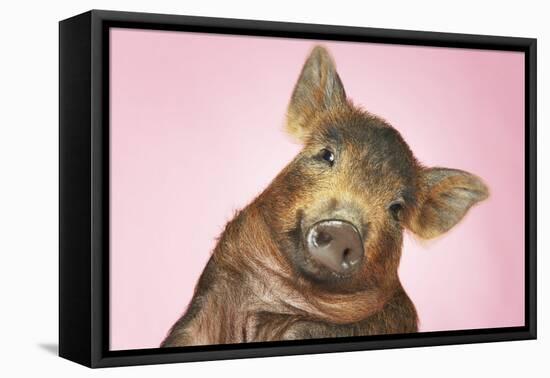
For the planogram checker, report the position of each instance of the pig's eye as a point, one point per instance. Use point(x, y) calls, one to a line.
point(327, 156)
point(396, 209)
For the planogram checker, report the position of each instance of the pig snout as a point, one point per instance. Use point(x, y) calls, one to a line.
point(336, 245)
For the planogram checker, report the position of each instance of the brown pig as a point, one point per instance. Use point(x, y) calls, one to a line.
point(316, 253)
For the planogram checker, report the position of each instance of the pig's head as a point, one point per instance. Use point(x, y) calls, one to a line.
point(339, 209)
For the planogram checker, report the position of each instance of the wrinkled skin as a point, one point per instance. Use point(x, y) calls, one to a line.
point(261, 284)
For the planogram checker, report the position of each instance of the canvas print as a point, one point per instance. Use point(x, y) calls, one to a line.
point(270, 189)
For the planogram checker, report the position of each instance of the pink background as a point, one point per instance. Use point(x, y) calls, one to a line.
point(197, 132)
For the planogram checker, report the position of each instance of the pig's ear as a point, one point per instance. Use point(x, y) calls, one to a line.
point(445, 197)
point(319, 88)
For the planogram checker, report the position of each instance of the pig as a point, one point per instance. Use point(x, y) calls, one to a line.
point(316, 254)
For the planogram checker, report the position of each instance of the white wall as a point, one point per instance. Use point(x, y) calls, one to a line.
point(28, 190)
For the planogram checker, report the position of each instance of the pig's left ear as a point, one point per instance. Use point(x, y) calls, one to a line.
point(318, 89)
point(445, 197)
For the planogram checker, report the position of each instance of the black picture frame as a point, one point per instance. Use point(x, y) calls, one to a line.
point(84, 187)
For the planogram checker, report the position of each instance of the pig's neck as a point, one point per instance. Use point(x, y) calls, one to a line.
point(268, 283)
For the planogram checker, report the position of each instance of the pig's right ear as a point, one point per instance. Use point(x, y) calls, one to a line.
point(318, 89)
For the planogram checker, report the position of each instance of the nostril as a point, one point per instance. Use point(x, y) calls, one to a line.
point(322, 238)
point(345, 254)
point(348, 260)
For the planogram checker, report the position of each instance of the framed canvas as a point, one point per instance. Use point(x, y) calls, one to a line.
point(235, 188)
